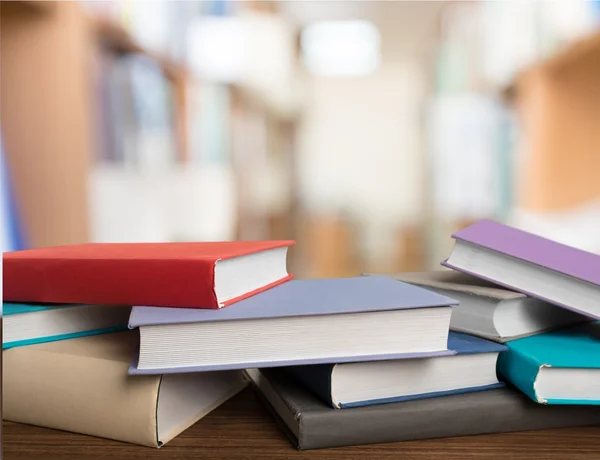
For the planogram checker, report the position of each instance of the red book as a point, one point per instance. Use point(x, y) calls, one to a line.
point(195, 275)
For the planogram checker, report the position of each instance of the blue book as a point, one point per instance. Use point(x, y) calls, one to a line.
point(560, 367)
point(28, 324)
point(298, 322)
point(472, 368)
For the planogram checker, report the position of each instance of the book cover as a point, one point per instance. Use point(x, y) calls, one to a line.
point(534, 249)
point(30, 323)
point(296, 298)
point(326, 296)
point(82, 386)
point(483, 304)
point(572, 348)
point(311, 424)
point(451, 280)
point(319, 378)
point(59, 337)
point(159, 274)
point(16, 308)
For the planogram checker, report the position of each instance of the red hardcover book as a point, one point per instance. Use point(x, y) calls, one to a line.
point(195, 275)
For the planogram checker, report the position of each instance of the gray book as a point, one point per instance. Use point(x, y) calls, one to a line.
point(312, 424)
point(490, 311)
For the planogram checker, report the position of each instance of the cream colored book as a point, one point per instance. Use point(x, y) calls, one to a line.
point(81, 385)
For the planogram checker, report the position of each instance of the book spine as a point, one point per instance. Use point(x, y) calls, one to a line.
point(521, 370)
point(175, 283)
point(496, 411)
point(316, 378)
point(79, 394)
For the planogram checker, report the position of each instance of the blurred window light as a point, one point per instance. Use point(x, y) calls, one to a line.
point(341, 48)
point(218, 48)
point(257, 50)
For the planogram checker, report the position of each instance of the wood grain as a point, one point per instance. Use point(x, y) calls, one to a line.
point(242, 429)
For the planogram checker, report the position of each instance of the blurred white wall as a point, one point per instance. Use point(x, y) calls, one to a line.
point(361, 146)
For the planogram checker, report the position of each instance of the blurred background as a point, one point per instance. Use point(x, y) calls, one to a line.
point(367, 131)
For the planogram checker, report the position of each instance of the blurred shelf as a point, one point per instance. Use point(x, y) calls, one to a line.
point(559, 113)
point(28, 6)
point(574, 54)
point(117, 38)
point(46, 117)
point(48, 49)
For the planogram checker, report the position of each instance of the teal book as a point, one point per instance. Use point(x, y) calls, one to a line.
point(559, 367)
point(31, 323)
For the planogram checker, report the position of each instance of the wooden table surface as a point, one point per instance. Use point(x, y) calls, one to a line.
point(243, 429)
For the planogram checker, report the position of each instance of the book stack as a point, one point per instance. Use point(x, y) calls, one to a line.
point(524, 315)
point(137, 342)
point(67, 347)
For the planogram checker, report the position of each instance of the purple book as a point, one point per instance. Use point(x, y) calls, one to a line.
point(299, 322)
point(527, 263)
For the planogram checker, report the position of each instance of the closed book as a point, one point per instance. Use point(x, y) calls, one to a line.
point(559, 367)
point(197, 275)
point(472, 368)
point(27, 324)
point(490, 311)
point(527, 263)
point(312, 424)
point(81, 385)
point(299, 322)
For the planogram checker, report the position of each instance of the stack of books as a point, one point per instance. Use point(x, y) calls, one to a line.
point(67, 346)
point(504, 341)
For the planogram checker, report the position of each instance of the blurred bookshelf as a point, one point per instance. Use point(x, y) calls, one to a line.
point(108, 132)
point(558, 103)
point(46, 117)
point(509, 122)
point(171, 121)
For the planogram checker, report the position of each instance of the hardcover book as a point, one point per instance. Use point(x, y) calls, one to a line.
point(312, 424)
point(81, 385)
point(472, 368)
point(299, 322)
point(559, 367)
point(196, 275)
point(527, 263)
point(27, 324)
point(490, 311)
